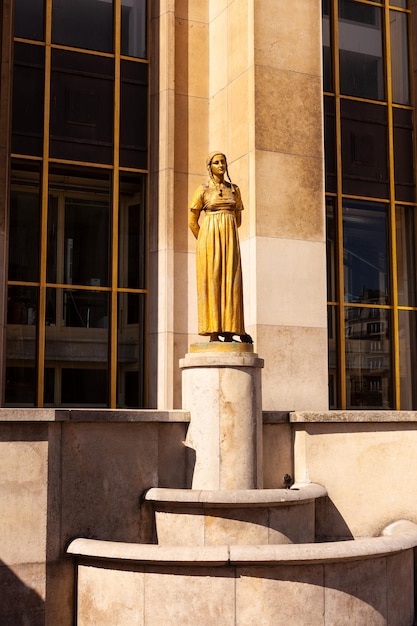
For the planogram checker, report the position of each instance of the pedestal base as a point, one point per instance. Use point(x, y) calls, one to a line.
point(222, 390)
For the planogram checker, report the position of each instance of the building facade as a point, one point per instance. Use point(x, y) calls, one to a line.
point(108, 110)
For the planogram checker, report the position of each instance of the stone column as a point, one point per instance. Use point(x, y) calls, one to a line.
point(221, 386)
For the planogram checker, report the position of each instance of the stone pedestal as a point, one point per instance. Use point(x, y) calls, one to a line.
point(221, 386)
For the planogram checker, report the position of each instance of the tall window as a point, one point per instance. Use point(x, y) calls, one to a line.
point(77, 278)
point(371, 209)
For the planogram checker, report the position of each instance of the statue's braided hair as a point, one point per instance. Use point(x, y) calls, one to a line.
point(209, 160)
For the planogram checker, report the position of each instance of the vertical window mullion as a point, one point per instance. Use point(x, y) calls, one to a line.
point(339, 215)
point(392, 220)
point(115, 212)
point(44, 213)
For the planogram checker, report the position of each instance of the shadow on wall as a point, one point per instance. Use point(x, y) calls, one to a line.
point(20, 605)
point(330, 525)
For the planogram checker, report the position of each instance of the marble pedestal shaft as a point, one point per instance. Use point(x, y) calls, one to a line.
point(221, 385)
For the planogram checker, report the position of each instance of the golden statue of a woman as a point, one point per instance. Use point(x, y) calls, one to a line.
point(219, 270)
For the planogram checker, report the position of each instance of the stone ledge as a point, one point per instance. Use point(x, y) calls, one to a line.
point(237, 498)
point(397, 537)
point(299, 417)
point(92, 415)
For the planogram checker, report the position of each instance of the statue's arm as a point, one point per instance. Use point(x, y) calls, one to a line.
point(193, 216)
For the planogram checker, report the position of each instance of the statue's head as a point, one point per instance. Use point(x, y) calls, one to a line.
point(211, 157)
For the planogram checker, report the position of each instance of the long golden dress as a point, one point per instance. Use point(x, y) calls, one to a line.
point(219, 270)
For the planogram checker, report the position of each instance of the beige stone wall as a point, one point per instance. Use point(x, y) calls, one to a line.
point(64, 475)
point(244, 77)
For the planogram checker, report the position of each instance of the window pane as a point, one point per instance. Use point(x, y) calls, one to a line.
point(81, 107)
point(86, 242)
point(408, 362)
point(22, 306)
point(399, 57)
point(24, 234)
point(406, 223)
point(133, 27)
point(333, 349)
point(398, 3)
point(368, 358)
point(365, 252)
point(327, 55)
point(330, 143)
point(364, 149)
point(133, 115)
point(331, 238)
point(132, 232)
point(403, 155)
point(130, 350)
point(28, 19)
point(28, 89)
point(77, 341)
point(83, 24)
point(361, 53)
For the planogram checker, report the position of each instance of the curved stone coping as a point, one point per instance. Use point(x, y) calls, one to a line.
point(237, 498)
point(93, 415)
point(397, 537)
point(299, 417)
point(221, 359)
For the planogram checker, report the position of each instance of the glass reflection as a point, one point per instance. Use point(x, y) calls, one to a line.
point(368, 358)
point(332, 356)
point(132, 232)
point(327, 58)
point(399, 57)
point(407, 321)
point(361, 50)
point(331, 249)
point(365, 252)
point(131, 350)
point(406, 228)
point(24, 234)
point(28, 19)
point(83, 24)
point(22, 305)
point(76, 346)
point(133, 28)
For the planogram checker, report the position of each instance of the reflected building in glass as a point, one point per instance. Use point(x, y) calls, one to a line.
point(108, 108)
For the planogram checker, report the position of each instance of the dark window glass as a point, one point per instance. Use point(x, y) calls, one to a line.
point(331, 238)
point(84, 386)
point(327, 53)
point(406, 229)
point(360, 50)
point(407, 331)
point(86, 242)
point(133, 27)
point(133, 114)
point(132, 232)
point(83, 24)
point(130, 350)
point(403, 155)
point(332, 355)
point(399, 57)
point(364, 149)
point(368, 358)
point(24, 235)
point(81, 107)
point(365, 252)
point(20, 386)
point(398, 3)
point(28, 19)
point(28, 89)
point(330, 144)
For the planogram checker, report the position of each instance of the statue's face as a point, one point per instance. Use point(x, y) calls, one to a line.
point(218, 165)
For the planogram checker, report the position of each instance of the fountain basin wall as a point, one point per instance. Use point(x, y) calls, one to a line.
point(253, 516)
point(366, 581)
